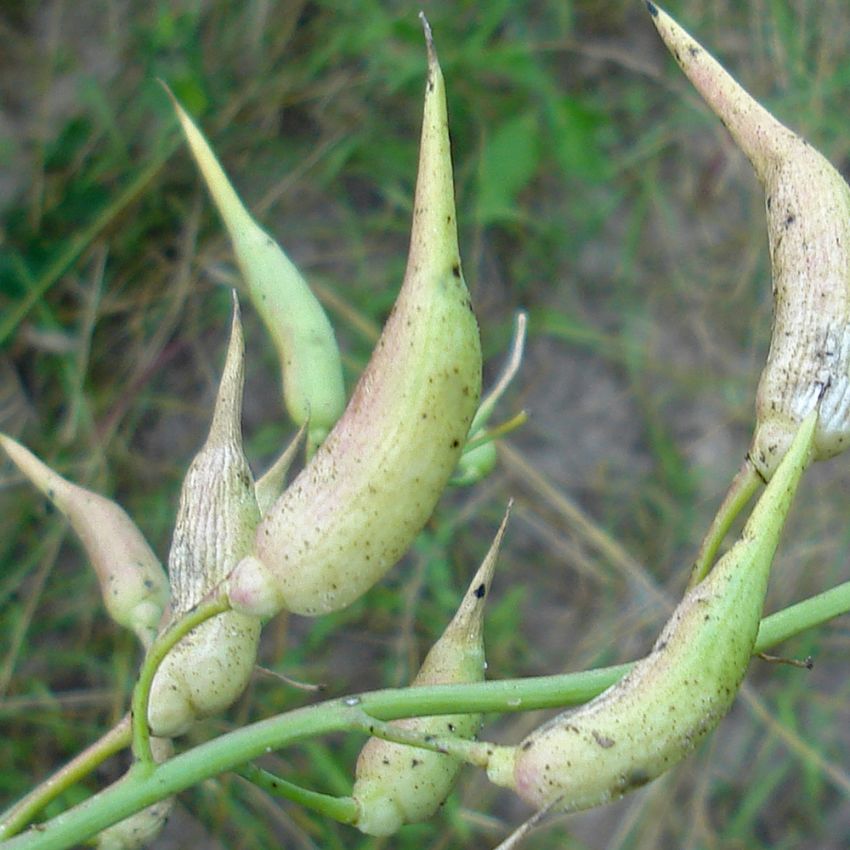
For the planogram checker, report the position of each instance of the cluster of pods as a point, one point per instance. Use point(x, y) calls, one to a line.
point(377, 465)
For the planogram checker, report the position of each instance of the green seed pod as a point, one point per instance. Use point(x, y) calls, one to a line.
point(371, 486)
point(302, 334)
point(808, 224)
point(676, 695)
point(216, 520)
point(396, 784)
point(132, 581)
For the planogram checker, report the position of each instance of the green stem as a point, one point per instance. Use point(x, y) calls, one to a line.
point(15, 818)
point(342, 809)
point(802, 616)
point(741, 490)
point(144, 787)
point(203, 611)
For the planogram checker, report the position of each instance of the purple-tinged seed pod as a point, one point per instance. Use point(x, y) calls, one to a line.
point(132, 581)
point(808, 225)
point(371, 486)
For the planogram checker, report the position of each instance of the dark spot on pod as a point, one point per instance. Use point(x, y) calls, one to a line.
point(637, 778)
point(651, 8)
point(769, 201)
point(527, 746)
point(455, 443)
point(693, 51)
point(790, 219)
point(456, 268)
point(603, 740)
point(415, 762)
point(480, 591)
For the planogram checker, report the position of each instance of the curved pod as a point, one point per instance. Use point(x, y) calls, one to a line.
point(313, 388)
point(371, 486)
point(132, 580)
point(808, 223)
point(676, 695)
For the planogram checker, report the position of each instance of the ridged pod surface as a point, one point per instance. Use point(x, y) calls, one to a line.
point(397, 784)
point(132, 580)
point(216, 520)
point(371, 486)
point(676, 695)
point(298, 325)
point(808, 224)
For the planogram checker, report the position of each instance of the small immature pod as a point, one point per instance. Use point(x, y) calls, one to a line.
point(309, 357)
point(132, 581)
point(215, 524)
point(397, 784)
point(676, 695)
point(808, 223)
point(359, 503)
point(140, 829)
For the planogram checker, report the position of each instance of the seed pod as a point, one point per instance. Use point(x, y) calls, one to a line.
point(132, 581)
point(140, 829)
point(216, 520)
point(371, 486)
point(677, 694)
point(397, 784)
point(302, 334)
point(808, 224)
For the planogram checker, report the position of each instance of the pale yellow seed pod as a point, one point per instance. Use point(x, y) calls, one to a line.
point(132, 581)
point(808, 224)
point(313, 388)
point(142, 828)
point(371, 486)
point(676, 695)
point(138, 830)
point(397, 784)
point(216, 520)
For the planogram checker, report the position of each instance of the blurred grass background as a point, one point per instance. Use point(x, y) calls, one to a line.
point(594, 190)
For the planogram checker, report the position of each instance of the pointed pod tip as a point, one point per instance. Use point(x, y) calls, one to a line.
point(483, 577)
point(652, 8)
point(178, 108)
point(429, 40)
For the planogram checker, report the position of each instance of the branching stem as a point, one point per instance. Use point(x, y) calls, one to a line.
point(241, 746)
